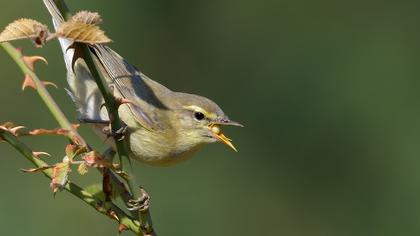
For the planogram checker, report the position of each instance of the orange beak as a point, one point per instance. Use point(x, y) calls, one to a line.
point(217, 132)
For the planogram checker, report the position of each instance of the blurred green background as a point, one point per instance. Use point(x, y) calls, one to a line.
point(327, 90)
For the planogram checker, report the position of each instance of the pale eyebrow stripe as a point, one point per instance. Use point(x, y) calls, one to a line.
point(199, 109)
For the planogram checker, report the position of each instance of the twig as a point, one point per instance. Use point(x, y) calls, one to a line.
point(64, 123)
point(72, 188)
point(17, 56)
point(116, 124)
point(122, 149)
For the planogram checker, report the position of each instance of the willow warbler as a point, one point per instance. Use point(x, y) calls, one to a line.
point(164, 127)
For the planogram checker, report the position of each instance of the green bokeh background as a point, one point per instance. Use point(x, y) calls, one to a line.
point(327, 90)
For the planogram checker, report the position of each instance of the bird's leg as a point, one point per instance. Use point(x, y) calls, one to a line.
point(141, 204)
point(119, 134)
point(93, 121)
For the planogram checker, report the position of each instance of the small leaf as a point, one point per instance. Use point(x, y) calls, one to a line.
point(82, 32)
point(82, 168)
point(26, 29)
point(93, 159)
point(87, 17)
point(73, 150)
point(60, 175)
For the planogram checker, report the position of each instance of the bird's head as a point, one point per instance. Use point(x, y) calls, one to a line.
point(199, 120)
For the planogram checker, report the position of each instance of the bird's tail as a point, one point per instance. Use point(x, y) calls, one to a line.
point(54, 11)
point(83, 89)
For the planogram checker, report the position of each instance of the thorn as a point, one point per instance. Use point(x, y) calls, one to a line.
point(8, 126)
point(38, 154)
point(46, 83)
point(55, 190)
point(29, 82)
point(120, 101)
point(16, 129)
point(31, 170)
point(122, 228)
point(113, 215)
point(30, 60)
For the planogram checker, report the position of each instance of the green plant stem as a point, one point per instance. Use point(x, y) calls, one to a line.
point(122, 149)
point(43, 92)
point(112, 108)
point(122, 217)
point(62, 120)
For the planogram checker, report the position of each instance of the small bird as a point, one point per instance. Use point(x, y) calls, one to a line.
point(164, 127)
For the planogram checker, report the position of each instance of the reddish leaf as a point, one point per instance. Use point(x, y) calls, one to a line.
point(82, 168)
point(26, 29)
point(93, 159)
point(73, 150)
point(60, 175)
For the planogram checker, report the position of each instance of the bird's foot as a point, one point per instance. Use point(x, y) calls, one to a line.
point(141, 204)
point(118, 134)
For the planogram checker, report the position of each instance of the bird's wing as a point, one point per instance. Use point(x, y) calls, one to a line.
point(133, 86)
point(129, 82)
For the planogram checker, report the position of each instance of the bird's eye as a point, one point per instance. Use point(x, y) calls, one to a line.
point(199, 115)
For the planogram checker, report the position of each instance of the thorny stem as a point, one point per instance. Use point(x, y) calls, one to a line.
point(112, 108)
point(72, 188)
point(17, 56)
point(143, 216)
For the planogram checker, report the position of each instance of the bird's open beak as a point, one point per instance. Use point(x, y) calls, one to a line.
point(217, 132)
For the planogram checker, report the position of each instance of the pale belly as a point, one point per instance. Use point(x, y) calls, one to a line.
point(149, 148)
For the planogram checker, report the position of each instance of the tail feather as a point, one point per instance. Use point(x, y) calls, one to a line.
point(83, 89)
point(54, 11)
